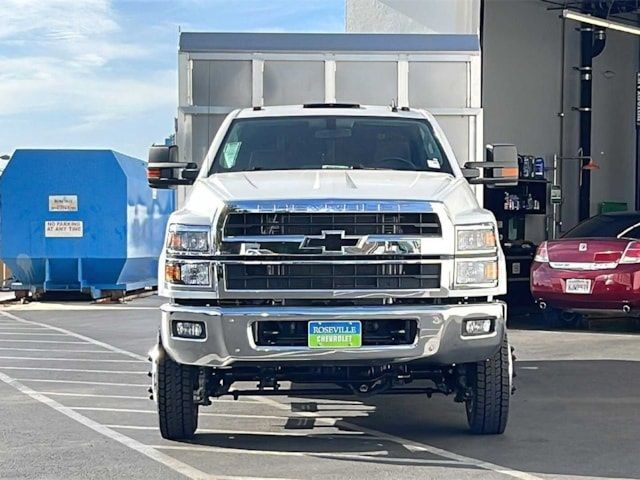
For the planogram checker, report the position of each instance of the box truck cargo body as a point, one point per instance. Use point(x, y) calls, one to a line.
point(219, 72)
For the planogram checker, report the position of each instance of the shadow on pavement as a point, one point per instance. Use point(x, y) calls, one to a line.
point(569, 418)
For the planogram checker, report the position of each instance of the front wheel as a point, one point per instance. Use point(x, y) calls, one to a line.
point(490, 382)
point(174, 386)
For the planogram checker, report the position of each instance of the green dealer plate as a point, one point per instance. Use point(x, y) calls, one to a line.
point(335, 334)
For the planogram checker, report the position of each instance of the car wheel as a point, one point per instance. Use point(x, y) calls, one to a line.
point(491, 382)
point(173, 387)
point(561, 319)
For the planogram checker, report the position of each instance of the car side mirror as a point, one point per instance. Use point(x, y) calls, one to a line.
point(164, 169)
point(500, 167)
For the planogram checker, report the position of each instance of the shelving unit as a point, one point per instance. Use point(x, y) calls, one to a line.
point(511, 217)
point(511, 223)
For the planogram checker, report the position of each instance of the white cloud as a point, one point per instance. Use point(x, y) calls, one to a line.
point(60, 56)
point(59, 19)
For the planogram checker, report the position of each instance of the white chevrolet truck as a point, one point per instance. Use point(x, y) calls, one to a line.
point(331, 249)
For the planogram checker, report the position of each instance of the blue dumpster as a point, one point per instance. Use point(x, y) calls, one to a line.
point(81, 220)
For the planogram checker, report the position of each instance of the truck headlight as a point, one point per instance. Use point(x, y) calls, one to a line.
point(478, 238)
point(182, 273)
point(188, 239)
point(482, 273)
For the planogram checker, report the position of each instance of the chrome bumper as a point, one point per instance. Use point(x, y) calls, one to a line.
point(229, 338)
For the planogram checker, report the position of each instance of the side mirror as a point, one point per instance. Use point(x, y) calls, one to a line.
point(501, 167)
point(165, 171)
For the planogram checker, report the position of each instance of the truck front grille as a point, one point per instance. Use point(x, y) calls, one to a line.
point(239, 224)
point(374, 332)
point(332, 276)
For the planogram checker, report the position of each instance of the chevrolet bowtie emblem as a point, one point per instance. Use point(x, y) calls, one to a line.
point(330, 242)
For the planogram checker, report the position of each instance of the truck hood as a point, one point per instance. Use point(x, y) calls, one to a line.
point(454, 193)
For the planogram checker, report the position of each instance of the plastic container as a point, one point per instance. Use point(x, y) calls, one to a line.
point(81, 220)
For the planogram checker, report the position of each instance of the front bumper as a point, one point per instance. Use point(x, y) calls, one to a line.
point(229, 337)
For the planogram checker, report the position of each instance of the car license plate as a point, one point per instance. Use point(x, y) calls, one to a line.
point(335, 334)
point(578, 285)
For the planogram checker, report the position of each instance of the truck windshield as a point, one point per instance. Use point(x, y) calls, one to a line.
point(330, 142)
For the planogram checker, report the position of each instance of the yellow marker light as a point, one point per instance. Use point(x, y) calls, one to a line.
point(172, 273)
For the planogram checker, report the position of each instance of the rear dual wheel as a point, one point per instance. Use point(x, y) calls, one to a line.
point(490, 381)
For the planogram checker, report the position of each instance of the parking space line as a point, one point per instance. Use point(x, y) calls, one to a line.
point(14, 340)
point(176, 465)
point(76, 335)
point(34, 334)
point(379, 455)
point(278, 453)
point(77, 370)
point(18, 349)
point(257, 433)
point(19, 328)
point(129, 397)
point(206, 414)
point(49, 359)
point(417, 446)
point(82, 382)
point(93, 395)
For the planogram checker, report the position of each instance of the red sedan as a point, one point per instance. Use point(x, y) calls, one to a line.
point(594, 268)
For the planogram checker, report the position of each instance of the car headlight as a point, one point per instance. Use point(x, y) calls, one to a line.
point(477, 272)
point(479, 238)
point(182, 273)
point(188, 239)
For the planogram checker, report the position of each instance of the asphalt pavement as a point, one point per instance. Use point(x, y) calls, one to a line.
point(74, 405)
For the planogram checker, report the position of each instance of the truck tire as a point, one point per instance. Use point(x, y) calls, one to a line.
point(177, 411)
point(490, 381)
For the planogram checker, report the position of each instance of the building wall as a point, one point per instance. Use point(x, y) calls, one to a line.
point(413, 16)
point(522, 89)
point(523, 77)
point(614, 109)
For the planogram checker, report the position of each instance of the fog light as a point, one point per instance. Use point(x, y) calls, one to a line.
point(188, 329)
point(479, 326)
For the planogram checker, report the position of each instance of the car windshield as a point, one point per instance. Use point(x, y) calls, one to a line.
point(605, 226)
point(330, 142)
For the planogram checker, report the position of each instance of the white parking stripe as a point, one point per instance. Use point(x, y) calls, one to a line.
point(379, 455)
point(93, 395)
point(170, 462)
point(49, 359)
point(34, 334)
point(82, 382)
point(417, 446)
point(17, 349)
point(408, 443)
point(76, 335)
point(341, 456)
point(206, 414)
point(288, 433)
point(12, 327)
point(78, 370)
point(129, 397)
point(20, 340)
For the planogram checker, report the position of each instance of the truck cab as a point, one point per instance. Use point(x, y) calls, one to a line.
point(331, 244)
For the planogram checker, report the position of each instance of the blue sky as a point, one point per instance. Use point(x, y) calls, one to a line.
point(102, 73)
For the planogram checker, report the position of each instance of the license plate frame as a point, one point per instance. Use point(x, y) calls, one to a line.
point(334, 334)
point(578, 286)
